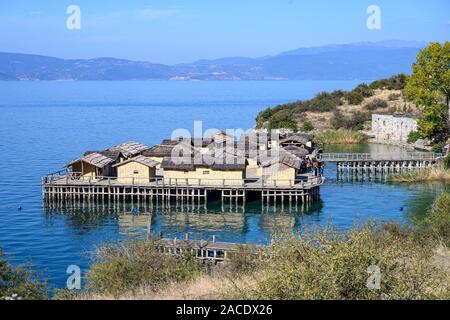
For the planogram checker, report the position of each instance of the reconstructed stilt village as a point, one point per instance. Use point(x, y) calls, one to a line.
point(258, 165)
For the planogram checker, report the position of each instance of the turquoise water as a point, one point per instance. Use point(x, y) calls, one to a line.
point(45, 124)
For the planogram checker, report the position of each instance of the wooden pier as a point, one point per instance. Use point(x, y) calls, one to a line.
point(202, 249)
point(380, 164)
point(65, 185)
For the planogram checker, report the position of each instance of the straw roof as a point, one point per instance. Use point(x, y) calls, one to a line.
point(160, 150)
point(283, 157)
point(96, 159)
point(302, 138)
point(140, 159)
point(224, 161)
point(297, 151)
point(131, 148)
point(110, 153)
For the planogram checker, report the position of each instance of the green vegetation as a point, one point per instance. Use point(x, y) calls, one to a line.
point(282, 120)
point(393, 96)
point(397, 82)
point(307, 126)
point(125, 267)
point(354, 122)
point(436, 224)
point(376, 104)
point(428, 87)
point(342, 136)
point(314, 264)
point(413, 136)
point(327, 264)
point(19, 282)
point(287, 114)
point(435, 173)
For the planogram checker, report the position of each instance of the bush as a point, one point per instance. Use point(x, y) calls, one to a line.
point(436, 224)
point(323, 102)
point(354, 98)
point(396, 82)
point(133, 264)
point(19, 282)
point(413, 136)
point(376, 104)
point(447, 161)
point(308, 126)
point(354, 122)
point(364, 89)
point(282, 120)
point(331, 265)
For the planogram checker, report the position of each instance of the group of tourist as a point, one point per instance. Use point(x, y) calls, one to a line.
point(313, 165)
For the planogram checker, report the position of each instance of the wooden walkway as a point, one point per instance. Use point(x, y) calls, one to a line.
point(410, 156)
point(380, 164)
point(202, 249)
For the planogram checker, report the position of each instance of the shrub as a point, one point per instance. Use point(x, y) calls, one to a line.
point(364, 89)
point(327, 264)
point(19, 282)
point(308, 126)
point(436, 224)
point(354, 98)
point(413, 136)
point(322, 102)
point(355, 121)
point(132, 264)
point(396, 82)
point(376, 104)
point(447, 161)
point(393, 96)
point(282, 120)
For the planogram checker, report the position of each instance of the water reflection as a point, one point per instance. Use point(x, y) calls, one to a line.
point(253, 223)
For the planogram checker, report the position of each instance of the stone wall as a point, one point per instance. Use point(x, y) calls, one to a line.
point(392, 127)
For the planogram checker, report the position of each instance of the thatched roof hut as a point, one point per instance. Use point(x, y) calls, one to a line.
point(131, 148)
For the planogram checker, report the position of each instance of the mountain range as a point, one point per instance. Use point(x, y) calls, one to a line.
point(364, 60)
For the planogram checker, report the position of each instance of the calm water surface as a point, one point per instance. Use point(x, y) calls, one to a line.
point(45, 124)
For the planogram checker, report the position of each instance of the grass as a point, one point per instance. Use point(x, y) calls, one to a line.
point(414, 263)
point(341, 136)
point(435, 173)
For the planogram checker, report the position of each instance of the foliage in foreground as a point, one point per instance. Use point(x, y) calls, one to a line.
point(132, 264)
point(436, 224)
point(341, 136)
point(331, 265)
point(19, 282)
point(318, 264)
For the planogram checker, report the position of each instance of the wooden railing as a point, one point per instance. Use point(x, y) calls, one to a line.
point(411, 156)
point(75, 178)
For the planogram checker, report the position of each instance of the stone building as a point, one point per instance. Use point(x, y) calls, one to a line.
point(393, 127)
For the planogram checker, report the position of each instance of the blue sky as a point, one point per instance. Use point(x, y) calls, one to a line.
point(169, 31)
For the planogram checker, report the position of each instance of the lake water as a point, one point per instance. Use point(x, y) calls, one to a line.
point(45, 124)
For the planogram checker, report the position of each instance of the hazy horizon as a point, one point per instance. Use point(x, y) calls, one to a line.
point(173, 32)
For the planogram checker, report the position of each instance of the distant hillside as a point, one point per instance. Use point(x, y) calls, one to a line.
point(349, 61)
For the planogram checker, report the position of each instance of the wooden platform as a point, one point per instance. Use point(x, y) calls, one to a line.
point(63, 185)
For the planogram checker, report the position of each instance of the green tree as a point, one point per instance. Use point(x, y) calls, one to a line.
point(19, 282)
point(429, 88)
